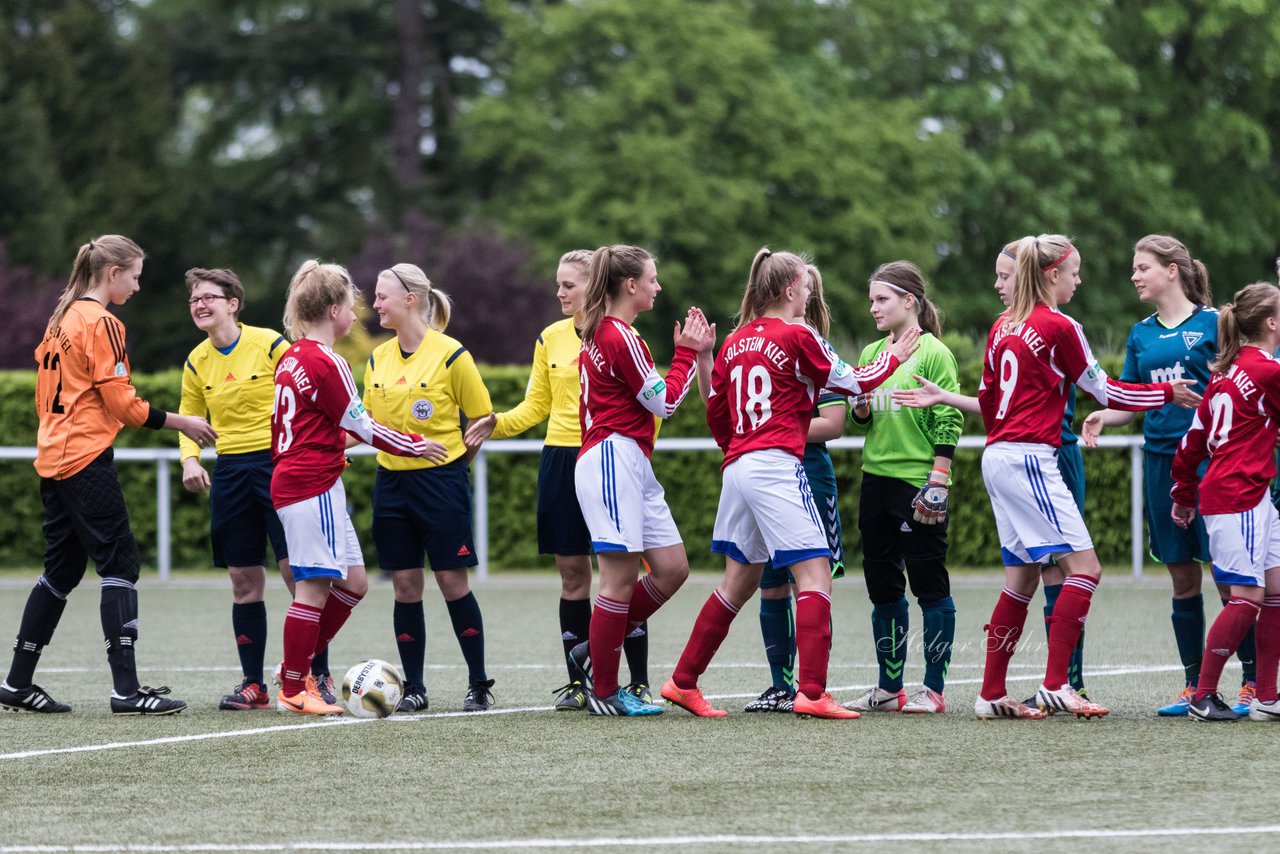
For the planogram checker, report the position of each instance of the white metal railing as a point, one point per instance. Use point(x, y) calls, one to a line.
point(163, 457)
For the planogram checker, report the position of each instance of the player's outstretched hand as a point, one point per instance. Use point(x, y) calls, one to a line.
point(196, 429)
point(435, 452)
point(696, 334)
point(1182, 515)
point(906, 345)
point(929, 394)
point(194, 476)
point(1091, 429)
point(1183, 395)
point(479, 430)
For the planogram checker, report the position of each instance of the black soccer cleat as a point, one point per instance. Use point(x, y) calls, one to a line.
point(33, 698)
point(580, 664)
point(479, 698)
point(1211, 710)
point(414, 699)
point(147, 701)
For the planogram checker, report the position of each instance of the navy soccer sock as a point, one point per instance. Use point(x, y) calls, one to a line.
point(939, 639)
point(249, 623)
point(889, 626)
point(468, 626)
point(409, 622)
point(1188, 633)
point(778, 628)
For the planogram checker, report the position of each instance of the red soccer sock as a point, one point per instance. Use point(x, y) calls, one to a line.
point(646, 599)
point(813, 641)
point(709, 631)
point(1003, 631)
point(608, 631)
point(1066, 624)
point(301, 628)
point(334, 616)
point(1267, 638)
point(1220, 644)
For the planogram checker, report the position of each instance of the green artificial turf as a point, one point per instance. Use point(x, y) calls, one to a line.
point(525, 773)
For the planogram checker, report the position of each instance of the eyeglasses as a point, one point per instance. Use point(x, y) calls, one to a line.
point(207, 299)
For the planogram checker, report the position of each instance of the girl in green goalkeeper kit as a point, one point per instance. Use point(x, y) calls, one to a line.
point(902, 516)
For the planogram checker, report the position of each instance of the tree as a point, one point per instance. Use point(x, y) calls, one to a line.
point(701, 142)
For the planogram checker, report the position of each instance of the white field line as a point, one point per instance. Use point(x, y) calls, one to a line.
point(659, 841)
point(740, 665)
point(236, 733)
point(347, 721)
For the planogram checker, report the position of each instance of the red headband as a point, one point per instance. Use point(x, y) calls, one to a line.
point(798, 278)
point(1070, 248)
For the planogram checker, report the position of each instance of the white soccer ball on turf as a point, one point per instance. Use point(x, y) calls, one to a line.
point(372, 689)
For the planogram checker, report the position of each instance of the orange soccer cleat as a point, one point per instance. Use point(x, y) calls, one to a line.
point(691, 700)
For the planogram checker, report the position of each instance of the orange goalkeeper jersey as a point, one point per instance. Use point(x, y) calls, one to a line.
point(83, 391)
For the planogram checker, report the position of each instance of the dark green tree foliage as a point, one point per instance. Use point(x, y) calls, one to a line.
point(684, 128)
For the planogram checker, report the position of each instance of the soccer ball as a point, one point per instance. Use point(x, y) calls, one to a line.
point(372, 689)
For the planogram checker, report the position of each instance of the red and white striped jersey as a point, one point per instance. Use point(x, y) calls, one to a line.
point(621, 389)
point(1235, 426)
point(765, 381)
point(1029, 369)
point(316, 405)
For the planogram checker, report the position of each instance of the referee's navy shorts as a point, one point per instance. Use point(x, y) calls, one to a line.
point(243, 518)
point(561, 528)
point(424, 511)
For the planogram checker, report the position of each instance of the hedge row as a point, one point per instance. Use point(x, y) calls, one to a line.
point(692, 481)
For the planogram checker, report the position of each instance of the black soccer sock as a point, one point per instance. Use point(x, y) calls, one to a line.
point(39, 619)
point(249, 622)
point(119, 610)
point(410, 625)
point(320, 663)
point(636, 648)
point(468, 626)
point(575, 625)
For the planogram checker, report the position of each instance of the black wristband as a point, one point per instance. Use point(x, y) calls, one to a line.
point(155, 418)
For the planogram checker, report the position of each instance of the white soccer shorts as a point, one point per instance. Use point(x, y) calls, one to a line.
point(767, 512)
point(621, 500)
point(1244, 545)
point(322, 541)
point(1036, 515)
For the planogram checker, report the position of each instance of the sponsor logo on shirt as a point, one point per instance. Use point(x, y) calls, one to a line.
point(1168, 375)
point(121, 370)
point(422, 409)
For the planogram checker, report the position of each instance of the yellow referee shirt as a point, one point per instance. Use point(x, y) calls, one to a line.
point(553, 389)
point(428, 393)
point(234, 391)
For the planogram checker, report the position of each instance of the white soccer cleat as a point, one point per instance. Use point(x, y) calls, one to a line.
point(878, 700)
point(1006, 707)
point(926, 701)
point(1260, 711)
point(1067, 699)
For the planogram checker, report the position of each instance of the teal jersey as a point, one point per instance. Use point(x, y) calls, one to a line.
point(1069, 436)
point(1156, 353)
point(901, 440)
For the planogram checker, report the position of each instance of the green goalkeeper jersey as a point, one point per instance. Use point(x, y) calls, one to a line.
point(901, 441)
